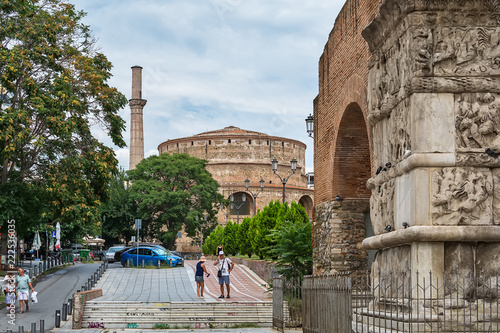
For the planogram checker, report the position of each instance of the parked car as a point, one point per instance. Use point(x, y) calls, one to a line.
point(150, 255)
point(110, 253)
point(76, 254)
point(118, 254)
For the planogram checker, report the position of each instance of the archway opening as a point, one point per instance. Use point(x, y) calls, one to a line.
point(306, 202)
point(351, 166)
point(239, 206)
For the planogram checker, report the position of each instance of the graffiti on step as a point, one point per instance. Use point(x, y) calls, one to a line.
point(140, 314)
point(201, 319)
point(96, 325)
point(132, 326)
point(200, 325)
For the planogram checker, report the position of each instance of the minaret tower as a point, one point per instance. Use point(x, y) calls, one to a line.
point(136, 129)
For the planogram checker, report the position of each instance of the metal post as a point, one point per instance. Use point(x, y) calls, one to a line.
point(95, 278)
point(158, 264)
point(58, 318)
point(33, 327)
point(35, 270)
point(70, 306)
point(143, 263)
point(42, 325)
point(284, 183)
point(40, 268)
point(21, 329)
point(91, 282)
point(64, 315)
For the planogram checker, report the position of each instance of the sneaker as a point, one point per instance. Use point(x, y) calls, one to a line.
point(221, 296)
point(228, 296)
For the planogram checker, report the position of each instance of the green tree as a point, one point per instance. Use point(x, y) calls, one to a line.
point(243, 237)
point(170, 191)
point(294, 213)
point(264, 222)
point(230, 239)
point(54, 88)
point(293, 249)
point(213, 240)
point(120, 210)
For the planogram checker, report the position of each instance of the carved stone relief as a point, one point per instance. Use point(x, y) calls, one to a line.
point(467, 51)
point(399, 139)
point(462, 196)
point(496, 196)
point(421, 50)
point(477, 121)
point(382, 207)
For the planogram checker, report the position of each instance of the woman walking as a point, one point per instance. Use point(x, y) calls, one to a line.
point(200, 282)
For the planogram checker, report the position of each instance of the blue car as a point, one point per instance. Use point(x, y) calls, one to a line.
point(151, 256)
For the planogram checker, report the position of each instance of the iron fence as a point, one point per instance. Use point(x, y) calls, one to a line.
point(387, 302)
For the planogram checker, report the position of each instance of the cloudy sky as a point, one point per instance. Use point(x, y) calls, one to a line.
point(209, 64)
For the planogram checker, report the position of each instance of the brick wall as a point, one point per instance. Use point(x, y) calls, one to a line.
point(343, 147)
point(343, 153)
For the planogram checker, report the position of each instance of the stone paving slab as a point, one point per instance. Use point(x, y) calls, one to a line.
point(147, 285)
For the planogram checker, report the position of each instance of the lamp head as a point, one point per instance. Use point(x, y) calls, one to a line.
point(310, 125)
point(231, 198)
point(243, 197)
point(293, 164)
point(261, 181)
point(247, 183)
point(274, 164)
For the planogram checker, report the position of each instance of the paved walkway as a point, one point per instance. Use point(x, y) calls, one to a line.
point(177, 285)
point(147, 285)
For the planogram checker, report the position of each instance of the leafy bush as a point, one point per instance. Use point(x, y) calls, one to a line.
point(213, 240)
point(230, 239)
point(243, 238)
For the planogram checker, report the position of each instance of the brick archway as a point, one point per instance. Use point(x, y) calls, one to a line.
point(351, 162)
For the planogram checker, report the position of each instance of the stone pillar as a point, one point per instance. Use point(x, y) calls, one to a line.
point(434, 107)
point(136, 125)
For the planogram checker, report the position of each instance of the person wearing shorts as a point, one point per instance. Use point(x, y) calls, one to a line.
point(198, 277)
point(23, 284)
point(225, 265)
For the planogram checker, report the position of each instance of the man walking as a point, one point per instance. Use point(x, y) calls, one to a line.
point(225, 266)
point(23, 284)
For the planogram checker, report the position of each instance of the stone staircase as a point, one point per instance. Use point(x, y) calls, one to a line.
point(147, 315)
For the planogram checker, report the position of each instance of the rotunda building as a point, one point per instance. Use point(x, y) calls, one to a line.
point(234, 155)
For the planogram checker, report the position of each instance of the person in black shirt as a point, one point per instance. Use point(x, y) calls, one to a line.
point(219, 250)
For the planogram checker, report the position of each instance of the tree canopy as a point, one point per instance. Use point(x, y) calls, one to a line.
point(119, 211)
point(53, 90)
point(171, 191)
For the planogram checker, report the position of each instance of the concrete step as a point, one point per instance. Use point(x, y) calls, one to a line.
point(102, 314)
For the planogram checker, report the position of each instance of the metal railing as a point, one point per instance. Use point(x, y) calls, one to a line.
point(386, 302)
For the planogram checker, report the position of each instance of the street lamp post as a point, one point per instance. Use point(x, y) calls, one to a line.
point(274, 165)
point(201, 231)
point(247, 186)
point(237, 207)
point(223, 209)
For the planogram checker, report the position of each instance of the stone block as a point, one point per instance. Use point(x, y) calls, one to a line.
point(432, 123)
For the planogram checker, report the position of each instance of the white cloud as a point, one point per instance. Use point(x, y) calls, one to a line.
point(214, 63)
